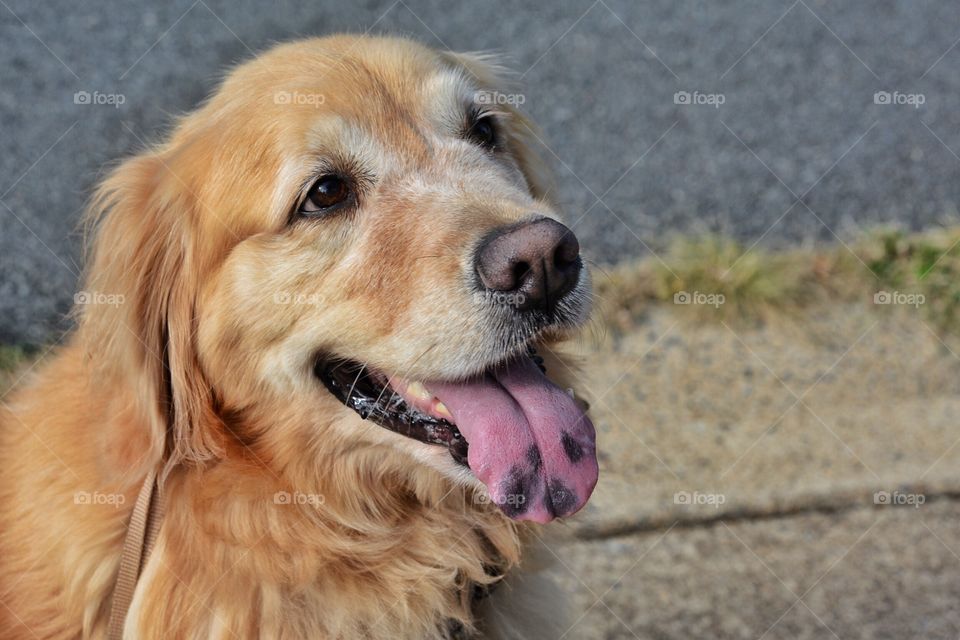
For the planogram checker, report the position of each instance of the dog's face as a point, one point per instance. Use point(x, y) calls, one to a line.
point(368, 258)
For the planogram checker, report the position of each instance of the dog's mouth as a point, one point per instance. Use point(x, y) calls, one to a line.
point(521, 435)
point(371, 394)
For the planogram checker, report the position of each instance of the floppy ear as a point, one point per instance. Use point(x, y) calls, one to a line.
point(143, 260)
point(525, 138)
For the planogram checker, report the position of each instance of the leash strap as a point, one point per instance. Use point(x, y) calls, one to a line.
point(141, 534)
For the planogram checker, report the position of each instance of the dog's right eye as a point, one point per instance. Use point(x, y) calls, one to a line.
point(483, 132)
point(327, 193)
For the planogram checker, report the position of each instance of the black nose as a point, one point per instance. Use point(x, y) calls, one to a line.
point(538, 261)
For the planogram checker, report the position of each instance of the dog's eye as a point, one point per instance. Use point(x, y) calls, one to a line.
point(483, 131)
point(325, 194)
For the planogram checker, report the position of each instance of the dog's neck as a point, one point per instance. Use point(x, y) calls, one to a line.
point(384, 551)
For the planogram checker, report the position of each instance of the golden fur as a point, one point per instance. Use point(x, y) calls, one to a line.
point(200, 365)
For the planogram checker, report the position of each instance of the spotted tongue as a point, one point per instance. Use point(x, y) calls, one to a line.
point(530, 443)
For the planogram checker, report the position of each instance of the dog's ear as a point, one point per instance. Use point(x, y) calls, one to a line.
point(143, 260)
point(525, 141)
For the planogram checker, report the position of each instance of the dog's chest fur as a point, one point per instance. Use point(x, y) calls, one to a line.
point(293, 573)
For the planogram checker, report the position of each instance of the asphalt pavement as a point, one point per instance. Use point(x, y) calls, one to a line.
point(757, 119)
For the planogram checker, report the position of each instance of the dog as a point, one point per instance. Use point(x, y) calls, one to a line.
point(319, 314)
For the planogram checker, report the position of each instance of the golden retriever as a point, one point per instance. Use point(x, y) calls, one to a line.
point(315, 312)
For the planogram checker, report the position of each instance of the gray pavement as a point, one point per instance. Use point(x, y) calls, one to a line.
point(796, 81)
point(867, 573)
point(774, 480)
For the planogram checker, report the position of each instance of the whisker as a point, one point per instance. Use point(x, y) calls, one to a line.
point(355, 380)
point(596, 296)
point(595, 265)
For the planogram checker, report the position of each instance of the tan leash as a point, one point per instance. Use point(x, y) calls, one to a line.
point(141, 534)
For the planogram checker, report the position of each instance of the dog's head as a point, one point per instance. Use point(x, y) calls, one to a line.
point(351, 234)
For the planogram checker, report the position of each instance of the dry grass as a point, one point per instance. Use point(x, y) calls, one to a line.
point(717, 278)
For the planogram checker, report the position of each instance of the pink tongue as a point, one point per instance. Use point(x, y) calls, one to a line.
point(530, 444)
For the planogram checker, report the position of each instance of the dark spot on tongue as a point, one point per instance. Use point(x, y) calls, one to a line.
point(533, 457)
point(514, 492)
point(572, 448)
point(560, 500)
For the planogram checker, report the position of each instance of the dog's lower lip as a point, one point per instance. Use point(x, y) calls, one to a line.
point(369, 394)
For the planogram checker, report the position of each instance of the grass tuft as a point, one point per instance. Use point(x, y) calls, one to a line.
point(712, 276)
point(926, 265)
point(719, 278)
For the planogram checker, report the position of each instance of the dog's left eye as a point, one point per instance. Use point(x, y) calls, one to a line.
point(326, 193)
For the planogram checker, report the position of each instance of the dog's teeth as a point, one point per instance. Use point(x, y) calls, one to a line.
point(418, 391)
point(442, 410)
